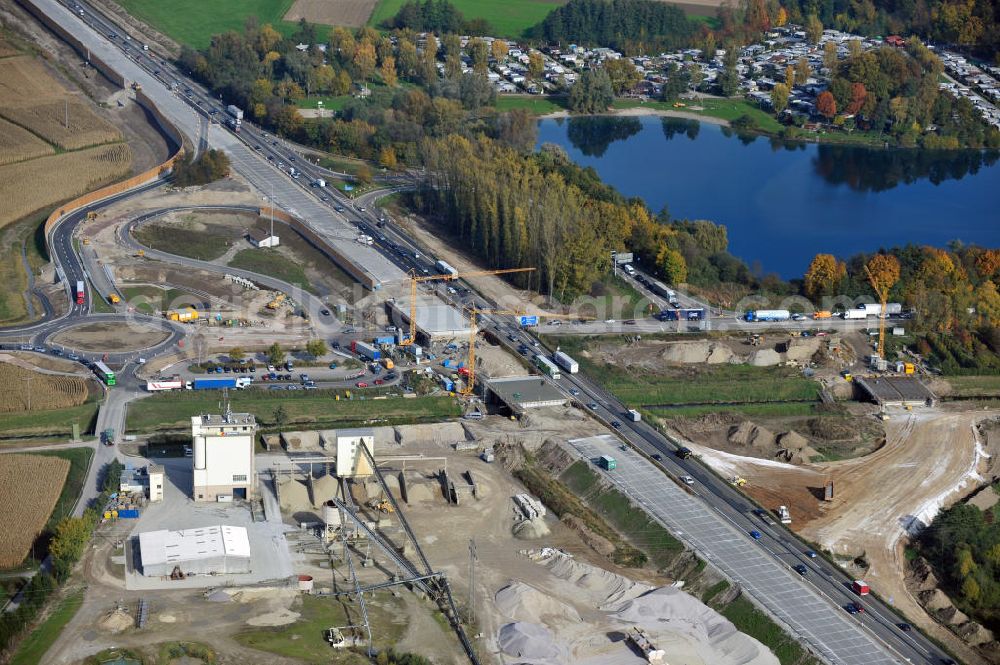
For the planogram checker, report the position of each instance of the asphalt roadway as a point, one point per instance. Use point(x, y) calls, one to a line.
point(816, 597)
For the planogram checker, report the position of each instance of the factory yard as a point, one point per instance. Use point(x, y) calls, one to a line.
point(931, 458)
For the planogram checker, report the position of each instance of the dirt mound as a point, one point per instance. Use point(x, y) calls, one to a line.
point(935, 600)
point(294, 495)
point(595, 541)
point(597, 586)
point(324, 488)
point(765, 358)
point(669, 608)
point(530, 640)
point(922, 575)
point(522, 602)
point(750, 435)
point(792, 440)
point(116, 621)
point(531, 529)
point(974, 633)
point(553, 458)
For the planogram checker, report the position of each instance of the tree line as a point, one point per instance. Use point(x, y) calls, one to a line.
point(209, 166)
point(67, 545)
point(630, 26)
point(438, 16)
point(973, 24)
point(963, 546)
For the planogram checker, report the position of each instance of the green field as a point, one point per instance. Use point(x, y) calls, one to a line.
point(975, 386)
point(304, 639)
point(270, 262)
point(695, 386)
point(206, 244)
point(31, 650)
point(536, 104)
point(311, 409)
point(509, 18)
point(193, 22)
point(50, 423)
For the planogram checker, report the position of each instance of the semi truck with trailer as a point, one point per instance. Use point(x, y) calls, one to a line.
point(547, 366)
point(445, 268)
point(768, 315)
point(697, 314)
point(160, 385)
point(365, 350)
point(566, 362)
point(236, 117)
point(219, 383)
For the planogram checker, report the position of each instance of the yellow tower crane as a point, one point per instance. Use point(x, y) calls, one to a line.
point(882, 291)
point(415, 279)
point(474, 312)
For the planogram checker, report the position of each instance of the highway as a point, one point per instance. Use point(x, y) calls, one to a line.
point(717, 513)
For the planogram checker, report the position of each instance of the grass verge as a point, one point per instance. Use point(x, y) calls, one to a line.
point(780, 409)
point(637, 527)
point(205, 244)
point(270, 262)
point(748, 619)
point(31, 650)
point(52, 422)
point(313, 408)
point(535, 104)
point(975, 386)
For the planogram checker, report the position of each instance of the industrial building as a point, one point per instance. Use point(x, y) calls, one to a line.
point(223, 456)
point(518, 393)
point(147, 480)
point(351, 462)
point(434, 320)
point(260, 239)
point(204, 551)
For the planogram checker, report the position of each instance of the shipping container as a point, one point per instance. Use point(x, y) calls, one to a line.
point(607, 462)
point(768, 315)
point(385, 340)
point(130, 513)
point(365, 350)
point(566, 362)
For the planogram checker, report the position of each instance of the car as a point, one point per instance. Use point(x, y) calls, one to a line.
point(657, 456)
point(291, 158)
point(798, 317)
point(609, 321)
point(270, 158)
point(854, 608)
point(905, 627)
point(616, 424)
point(361, 384)
point(630, 322)
point(574, 392)
point(592, 406)
point(811, 554)
point(291, 386)
point(227, 369)
point(800, 569)
point(256, 147)
point(253, 369)
point(73, 357)
point(272, 376)
point(687, 480)
point(339, 208)
point(755, 534)
point(303, 377)
point(311, 386)
point(332, 365)
point(379, 382)
point(391, 376)
point(270, 368)
point(511, 337)
point(274, 388)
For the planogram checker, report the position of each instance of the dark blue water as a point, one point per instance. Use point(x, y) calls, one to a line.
point(784, 203)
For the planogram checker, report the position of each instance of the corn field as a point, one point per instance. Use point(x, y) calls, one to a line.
point(17, 144)
point(24, 79)
point(29, 488)
point(29, 186)
point(24, 390)
point(47, 119)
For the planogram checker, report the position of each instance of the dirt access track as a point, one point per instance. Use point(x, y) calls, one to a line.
point(931, 458)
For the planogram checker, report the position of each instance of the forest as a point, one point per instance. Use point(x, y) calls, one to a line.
point(630, 26)
point(963, 546)
point(438, 16)
point(973, 24)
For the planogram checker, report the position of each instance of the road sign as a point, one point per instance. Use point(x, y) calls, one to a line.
point(622, 257)
point(525, 321)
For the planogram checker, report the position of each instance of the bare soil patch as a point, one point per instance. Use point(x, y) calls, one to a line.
point(350, 13)
point(110, 337)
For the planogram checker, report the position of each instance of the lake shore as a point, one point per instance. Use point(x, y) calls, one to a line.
point(642, 111)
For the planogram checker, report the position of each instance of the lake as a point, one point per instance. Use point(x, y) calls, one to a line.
point(782, 203)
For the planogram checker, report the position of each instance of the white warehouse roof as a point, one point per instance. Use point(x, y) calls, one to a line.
point(171, 548)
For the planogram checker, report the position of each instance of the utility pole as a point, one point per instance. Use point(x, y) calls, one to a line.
point(472, 580)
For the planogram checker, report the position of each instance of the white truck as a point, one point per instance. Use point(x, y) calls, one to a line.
point(319, 182)
point(854, 314)
point(160, 385)
point(566, 362)
point(236, 117)
point(634, 415)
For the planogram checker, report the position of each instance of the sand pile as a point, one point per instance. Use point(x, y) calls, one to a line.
point(532, 641)
point(522, 602)
point(531, 529)
point(687, 352)
point(750, 435)
point(795, 448)
point(116, 621)
point(673, 610)
point(294, 495)
point(594, 585)
point(324, 489)
point(765, 358)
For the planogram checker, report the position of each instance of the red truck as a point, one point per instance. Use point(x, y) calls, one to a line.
point(80, 293)
point(860, 587)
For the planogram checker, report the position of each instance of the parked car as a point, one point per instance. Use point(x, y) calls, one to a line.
point(361, 384)
point(755, 534)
